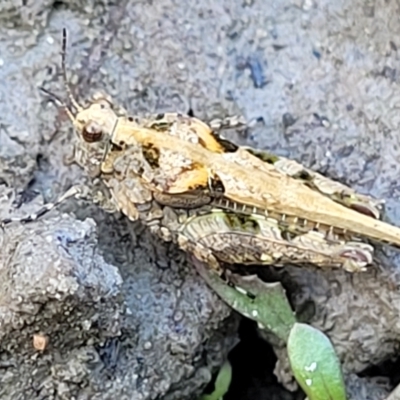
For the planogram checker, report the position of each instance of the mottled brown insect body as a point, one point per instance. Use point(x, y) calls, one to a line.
point(223, 203)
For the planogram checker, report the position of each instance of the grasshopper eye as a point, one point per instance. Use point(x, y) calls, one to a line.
point(104, 104)
point(92, 132)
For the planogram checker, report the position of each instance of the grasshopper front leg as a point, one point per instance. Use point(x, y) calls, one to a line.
point(82, 192)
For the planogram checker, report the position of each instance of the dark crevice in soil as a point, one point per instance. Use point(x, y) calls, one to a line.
point(387, 368)
point(253, 361)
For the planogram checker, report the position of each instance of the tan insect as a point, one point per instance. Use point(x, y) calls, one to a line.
point(223, 203)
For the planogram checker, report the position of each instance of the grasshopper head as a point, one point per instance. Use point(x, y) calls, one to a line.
point(94, 124)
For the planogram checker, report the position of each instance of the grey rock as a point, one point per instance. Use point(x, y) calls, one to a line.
point(169, 55)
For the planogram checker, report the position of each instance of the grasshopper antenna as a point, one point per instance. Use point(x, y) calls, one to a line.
point(64, 73)
point(59, 103)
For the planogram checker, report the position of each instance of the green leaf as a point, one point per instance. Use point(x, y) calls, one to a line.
point(221, 383)
point(265, 303)
point(315, 364)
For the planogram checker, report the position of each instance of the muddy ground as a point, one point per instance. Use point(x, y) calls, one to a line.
point(126, 316)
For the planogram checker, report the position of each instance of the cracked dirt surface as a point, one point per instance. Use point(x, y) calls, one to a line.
point(323, 76)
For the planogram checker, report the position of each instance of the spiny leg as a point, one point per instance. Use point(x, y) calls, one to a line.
point(76, 191)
